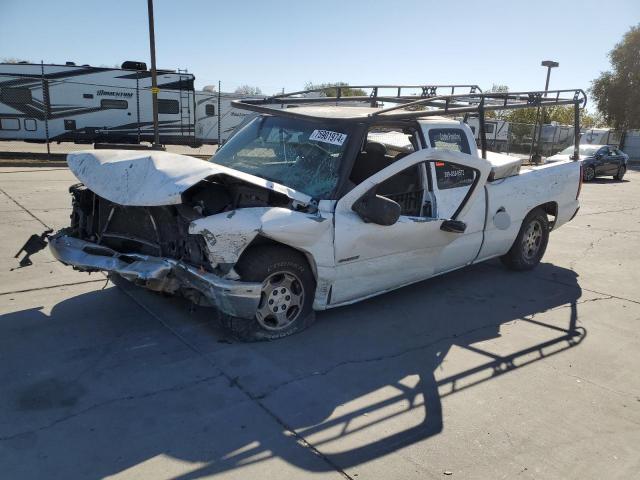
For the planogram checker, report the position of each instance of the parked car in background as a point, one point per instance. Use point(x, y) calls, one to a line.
point(597, 161)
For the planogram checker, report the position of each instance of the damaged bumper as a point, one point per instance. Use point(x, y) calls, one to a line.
point(239, 299)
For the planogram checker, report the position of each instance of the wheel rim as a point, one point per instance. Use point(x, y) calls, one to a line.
point(589, 173)
point(532, 240)
point(281, 301)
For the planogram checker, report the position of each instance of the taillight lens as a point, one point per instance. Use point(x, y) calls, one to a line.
point(580, 181)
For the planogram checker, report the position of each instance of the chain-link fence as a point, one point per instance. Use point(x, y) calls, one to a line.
point(55, 109)
point(528, 140)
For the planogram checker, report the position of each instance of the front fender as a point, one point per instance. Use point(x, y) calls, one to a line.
point(227, 234)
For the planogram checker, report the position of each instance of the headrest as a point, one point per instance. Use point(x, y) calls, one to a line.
point(375, 148)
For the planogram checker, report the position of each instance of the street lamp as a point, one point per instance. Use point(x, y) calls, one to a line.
point(549, 64)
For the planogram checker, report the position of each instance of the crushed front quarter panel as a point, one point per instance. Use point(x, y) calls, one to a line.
point(227, 234)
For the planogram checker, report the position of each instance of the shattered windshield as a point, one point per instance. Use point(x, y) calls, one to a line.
point(299, 154)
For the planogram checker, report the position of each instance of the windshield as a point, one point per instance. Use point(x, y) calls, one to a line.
point(586, 151)
point(300, 154)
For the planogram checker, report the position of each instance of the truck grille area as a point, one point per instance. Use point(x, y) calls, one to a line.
point(159, 231)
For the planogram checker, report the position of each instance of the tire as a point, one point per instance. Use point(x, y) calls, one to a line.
point(588, 174)
point(530, 244)
point(621, 171)
point(288, 283)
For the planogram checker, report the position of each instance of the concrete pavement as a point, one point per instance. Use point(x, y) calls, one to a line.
point(481, 373)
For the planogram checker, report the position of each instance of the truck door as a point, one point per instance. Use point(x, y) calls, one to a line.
point(373, 258)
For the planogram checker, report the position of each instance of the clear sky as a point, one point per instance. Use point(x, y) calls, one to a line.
point(284, 44)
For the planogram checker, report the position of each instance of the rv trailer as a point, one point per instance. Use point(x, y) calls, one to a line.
point(85, 104)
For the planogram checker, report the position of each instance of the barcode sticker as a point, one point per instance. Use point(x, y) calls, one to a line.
point(327, 136)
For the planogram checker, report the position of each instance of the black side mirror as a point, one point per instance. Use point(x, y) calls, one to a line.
point(453, 226)
point(377, 209)
point(598, 156)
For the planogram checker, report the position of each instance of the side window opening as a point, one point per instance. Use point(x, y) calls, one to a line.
point(383, 146)
point(407, 189)
point(210, 110)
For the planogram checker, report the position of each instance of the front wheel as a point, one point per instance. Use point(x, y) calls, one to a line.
point(530, 244)
point(620, 174)
point(288, 288)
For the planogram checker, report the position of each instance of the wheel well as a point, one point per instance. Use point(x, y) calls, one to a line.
point(261, 240)
point(551, 209)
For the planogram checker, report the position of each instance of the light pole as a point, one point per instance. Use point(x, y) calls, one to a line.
point(549, 64)
point(154, 79)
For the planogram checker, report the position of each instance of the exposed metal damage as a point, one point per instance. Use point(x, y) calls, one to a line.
point(187, 247)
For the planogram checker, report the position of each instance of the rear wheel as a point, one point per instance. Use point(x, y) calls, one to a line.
point(530, 244)
point(288, 288)
point(589, 174)
point(620, 174)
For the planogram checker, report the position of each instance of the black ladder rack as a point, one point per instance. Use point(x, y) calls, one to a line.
point(431, 101)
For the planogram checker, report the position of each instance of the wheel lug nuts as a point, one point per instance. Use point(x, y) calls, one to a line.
point(270, 302)
point(282, 291)
point(287, 298)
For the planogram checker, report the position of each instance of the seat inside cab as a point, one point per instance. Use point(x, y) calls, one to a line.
point(384, 146)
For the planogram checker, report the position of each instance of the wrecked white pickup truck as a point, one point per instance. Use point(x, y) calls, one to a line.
point(314, 207)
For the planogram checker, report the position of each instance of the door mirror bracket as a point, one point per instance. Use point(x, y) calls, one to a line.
point(453, 226)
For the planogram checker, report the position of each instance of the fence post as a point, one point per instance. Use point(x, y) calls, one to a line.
point(138, 102)
point(47, 109)
point(219, 116)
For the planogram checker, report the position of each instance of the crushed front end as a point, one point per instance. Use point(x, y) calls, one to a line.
point(151, 247)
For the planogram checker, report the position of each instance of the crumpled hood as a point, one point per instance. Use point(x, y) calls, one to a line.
point(143, 178)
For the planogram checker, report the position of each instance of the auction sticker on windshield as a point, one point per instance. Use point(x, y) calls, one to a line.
point(327, 136)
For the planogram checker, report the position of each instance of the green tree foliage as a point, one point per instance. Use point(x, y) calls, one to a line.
point(562, 114)
point(617, 92)
point(331, 91)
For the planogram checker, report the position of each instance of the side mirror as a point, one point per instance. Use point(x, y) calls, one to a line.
point(453, 226)
point(377, 209)
point(598, 156)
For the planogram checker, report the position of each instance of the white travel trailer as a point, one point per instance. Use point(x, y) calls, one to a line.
point(600, 136)
point(496, 132)
point(85, 104)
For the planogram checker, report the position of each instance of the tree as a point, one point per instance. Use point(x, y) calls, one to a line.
point(333, 92)
point(14, 60)
point(617, 92)
point(248, 90)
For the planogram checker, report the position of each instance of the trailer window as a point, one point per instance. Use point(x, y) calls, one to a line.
point(449, 139)
point(118, 104)
point(15, 95)
point(210, 110)
point(30, 124)
point(489, 127)
point(168, 106)
point(9, 124)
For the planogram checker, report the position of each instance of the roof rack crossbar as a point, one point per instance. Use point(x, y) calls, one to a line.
point(411, 106)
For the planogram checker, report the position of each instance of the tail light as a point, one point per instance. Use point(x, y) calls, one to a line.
point(580, 181)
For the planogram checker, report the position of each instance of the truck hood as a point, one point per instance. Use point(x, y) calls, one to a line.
point(143, 178)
